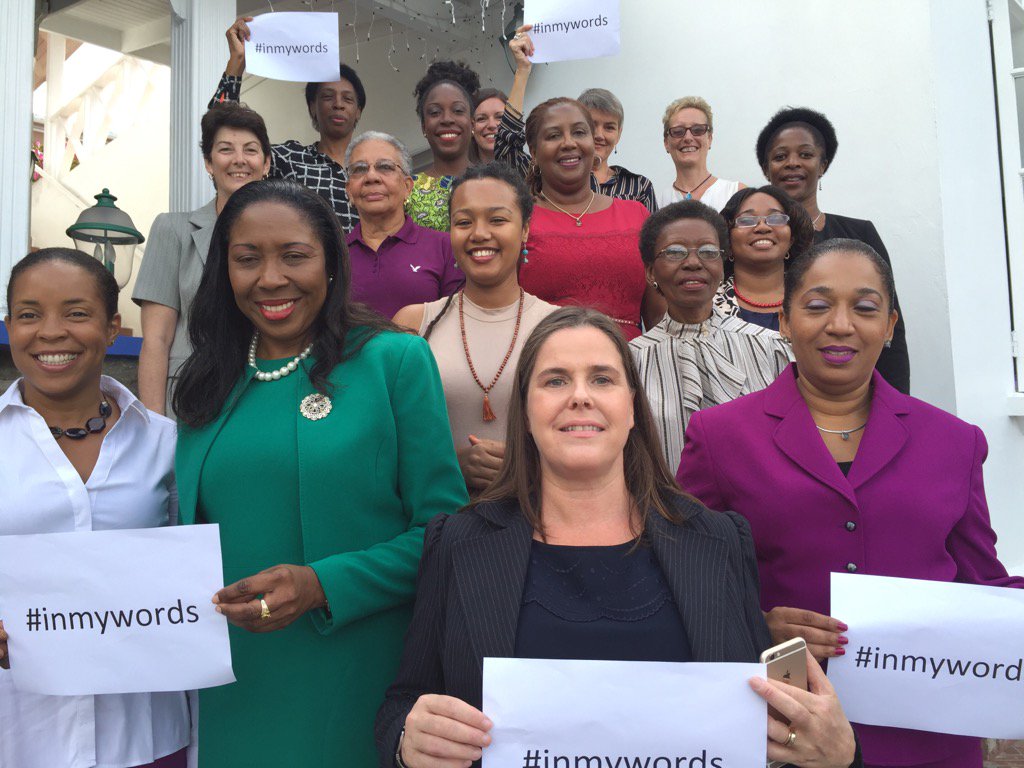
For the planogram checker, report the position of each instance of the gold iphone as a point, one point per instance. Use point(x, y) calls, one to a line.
point(787, 663)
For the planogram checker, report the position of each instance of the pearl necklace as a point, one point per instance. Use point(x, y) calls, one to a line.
point(281, 372)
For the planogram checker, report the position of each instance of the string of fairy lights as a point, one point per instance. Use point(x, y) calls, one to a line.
point(466, 30)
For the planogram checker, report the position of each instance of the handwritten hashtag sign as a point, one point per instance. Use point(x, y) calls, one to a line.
point(298, 46)
point(931, 656)
point(593, 714)
point(125, 611)
point(573, 29)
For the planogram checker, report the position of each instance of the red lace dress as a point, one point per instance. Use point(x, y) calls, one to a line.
point(596, 265)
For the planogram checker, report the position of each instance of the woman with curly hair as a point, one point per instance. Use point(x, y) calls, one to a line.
point(444, 103)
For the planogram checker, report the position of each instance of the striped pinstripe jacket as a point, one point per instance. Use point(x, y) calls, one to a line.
point(471, 585)
point(686, 368)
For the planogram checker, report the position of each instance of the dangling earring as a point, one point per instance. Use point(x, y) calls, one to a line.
point(819, 185)
point(525, 252)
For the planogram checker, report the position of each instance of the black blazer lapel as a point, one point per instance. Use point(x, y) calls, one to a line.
point(694, 564)
point(490, 573)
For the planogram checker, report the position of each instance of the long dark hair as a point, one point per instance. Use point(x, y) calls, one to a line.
point(499, 172)
point(220, 333)
point(648, 479)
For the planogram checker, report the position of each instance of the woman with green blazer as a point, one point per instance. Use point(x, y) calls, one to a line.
point(317, 438)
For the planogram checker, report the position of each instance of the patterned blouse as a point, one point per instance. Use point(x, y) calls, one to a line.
point(510, 148)
point(428, 202)
point(303, 163)
point(685, 368)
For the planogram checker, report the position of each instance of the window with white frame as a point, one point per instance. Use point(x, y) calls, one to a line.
point(1007, 19)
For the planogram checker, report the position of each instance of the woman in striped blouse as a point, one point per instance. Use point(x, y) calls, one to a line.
point(697, 356)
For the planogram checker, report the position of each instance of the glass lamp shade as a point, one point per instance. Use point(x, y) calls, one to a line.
point(107, 233)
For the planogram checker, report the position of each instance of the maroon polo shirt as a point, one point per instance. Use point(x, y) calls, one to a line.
point(412, 266)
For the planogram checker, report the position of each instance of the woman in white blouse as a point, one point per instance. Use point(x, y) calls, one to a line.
point(81, 453)
point(697, 356)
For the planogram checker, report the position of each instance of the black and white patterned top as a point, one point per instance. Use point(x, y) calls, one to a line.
point(510, 148)
point(302, 163)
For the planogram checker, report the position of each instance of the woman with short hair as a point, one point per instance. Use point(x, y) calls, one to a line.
point(698, 356)
point(394, 260)
point(82, 453)
point(688, 128)
point(236, 150)
point(795, 149)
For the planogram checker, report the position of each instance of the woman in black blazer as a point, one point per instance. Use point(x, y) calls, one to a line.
point(583, 548)
point(795, 149)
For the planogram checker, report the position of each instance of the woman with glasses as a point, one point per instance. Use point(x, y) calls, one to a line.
point(688, 130)
point(794, 150)
point(698, 355)
point(767, 230)
point(395, 261)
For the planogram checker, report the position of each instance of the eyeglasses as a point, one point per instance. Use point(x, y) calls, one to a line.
point(383, 167)
point(679, 131)
point(677, 253)
point(772, 220)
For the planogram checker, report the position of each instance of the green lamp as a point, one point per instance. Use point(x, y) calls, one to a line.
point(109, 234)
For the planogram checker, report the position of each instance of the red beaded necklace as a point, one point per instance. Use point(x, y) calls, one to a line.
point(488, 413)
point(758, 304)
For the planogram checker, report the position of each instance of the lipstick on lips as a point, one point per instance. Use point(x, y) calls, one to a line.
point(277, 310)
point(837, 355)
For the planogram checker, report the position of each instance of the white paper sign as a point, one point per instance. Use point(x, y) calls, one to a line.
point(114, 611)
point(301, 46)
point(572, 29)
point(596, 714)
point(932, 656)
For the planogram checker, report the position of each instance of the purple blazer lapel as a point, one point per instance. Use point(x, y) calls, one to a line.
point(885, 434)
point(796, 436)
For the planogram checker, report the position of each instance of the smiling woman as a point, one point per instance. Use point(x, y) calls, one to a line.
point(81, 454)
point(296, 398)
point(444, 105)
point(582, 548)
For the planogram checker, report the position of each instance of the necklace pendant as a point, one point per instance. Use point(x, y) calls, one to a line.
point(689, 196)
point(844, 435)
point(579, 222)
point(316, 406)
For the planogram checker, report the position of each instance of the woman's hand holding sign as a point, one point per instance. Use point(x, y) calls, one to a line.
point(818, 734)
point(271, 599)
point(823, 633)
point(444, 732)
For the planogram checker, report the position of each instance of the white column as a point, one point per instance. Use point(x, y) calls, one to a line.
point(17, 53)
point(199, 52)
point(53, 135)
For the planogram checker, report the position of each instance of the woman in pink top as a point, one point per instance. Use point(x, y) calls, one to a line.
point(583, 247)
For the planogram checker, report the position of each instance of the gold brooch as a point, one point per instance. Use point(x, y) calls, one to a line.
point(315, 407)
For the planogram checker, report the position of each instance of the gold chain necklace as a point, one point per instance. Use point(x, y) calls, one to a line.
point(570, 214)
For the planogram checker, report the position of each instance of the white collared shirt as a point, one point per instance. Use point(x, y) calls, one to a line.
point(131, 486)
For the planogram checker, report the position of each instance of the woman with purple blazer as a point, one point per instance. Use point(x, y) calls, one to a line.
point(838, 471)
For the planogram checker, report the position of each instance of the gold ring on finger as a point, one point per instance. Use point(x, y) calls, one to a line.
point(791, 740)
point(265, 612)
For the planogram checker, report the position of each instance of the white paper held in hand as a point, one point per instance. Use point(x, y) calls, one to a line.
point(930, 655)
point(593, 714)
point(564, 30)
point(123, 611)
point(298, 46)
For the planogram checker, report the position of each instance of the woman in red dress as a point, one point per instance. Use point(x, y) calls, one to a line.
point(583, 247)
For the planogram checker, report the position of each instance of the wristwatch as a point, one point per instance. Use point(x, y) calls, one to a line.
point(399, 763)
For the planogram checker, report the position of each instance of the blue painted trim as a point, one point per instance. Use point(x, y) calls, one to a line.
point(123, 346)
